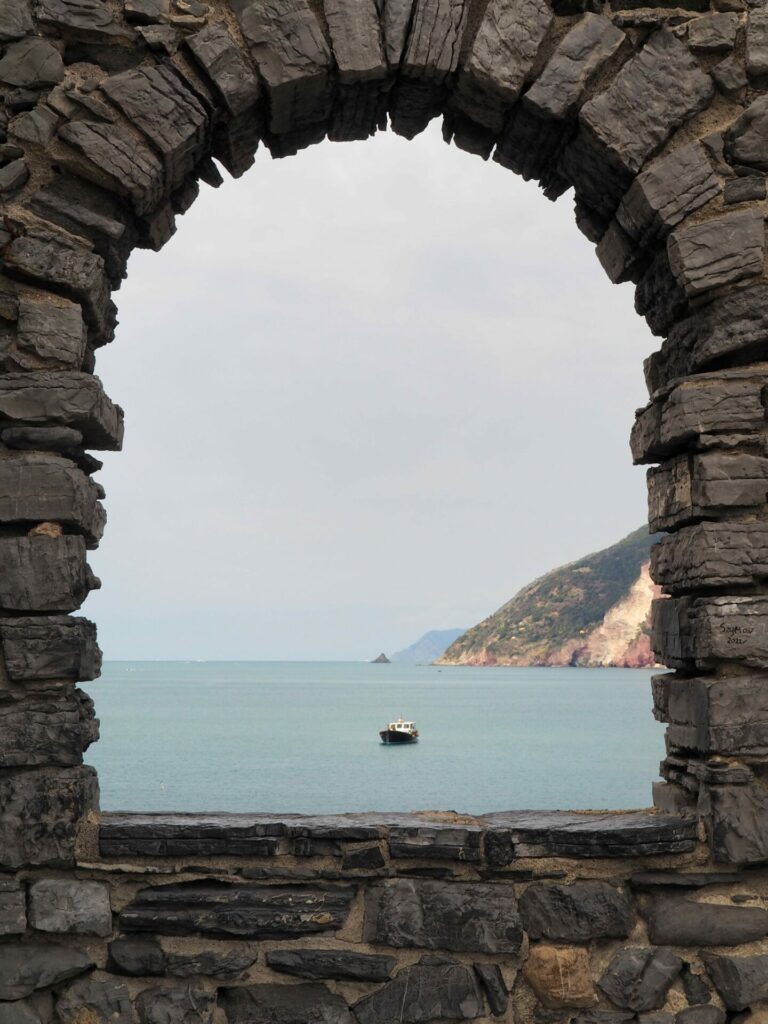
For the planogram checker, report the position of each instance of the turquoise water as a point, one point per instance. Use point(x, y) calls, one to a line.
point(303, 737)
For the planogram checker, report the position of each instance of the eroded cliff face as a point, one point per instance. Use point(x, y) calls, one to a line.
point(592, 613)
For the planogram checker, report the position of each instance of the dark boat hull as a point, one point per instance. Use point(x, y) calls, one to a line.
point(392, 736)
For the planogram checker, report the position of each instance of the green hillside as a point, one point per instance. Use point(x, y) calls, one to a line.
point(565, 604)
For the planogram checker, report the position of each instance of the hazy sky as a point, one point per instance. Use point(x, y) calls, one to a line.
point(370, 390)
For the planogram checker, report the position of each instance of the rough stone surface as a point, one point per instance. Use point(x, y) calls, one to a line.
point(711, 555)
point(639, 979)
point(97, 1002)
point(503, 52)
point(582, 53)
point(654, 93)
point(288, 47)
point(278, 1004)
point(15, 20)
point(137, 957)
point(248, 911)
point(31, 62)
point(39, 814)
point(49, 647)
point(331, 963)
point(217, 52)
point(714, 33)
point(745, 141)
point(666, 192)
point(172, 118)
point(560, 976)
point(714, 403)
point(436, 915)
point(13, 909)
point(435, 988)
point(757, 42)
point(43, 574)
point(575, 913)
point(26, 968)
point(496, 992)
point(77, 400)
point(176, 1006)
point(739, 980)
point(46, 731)
point(719, 251)
point(47, 488)
point(59, 905)
point(677, 922)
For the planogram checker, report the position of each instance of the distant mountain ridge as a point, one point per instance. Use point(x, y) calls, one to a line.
point(428, 648)
point(593, 612)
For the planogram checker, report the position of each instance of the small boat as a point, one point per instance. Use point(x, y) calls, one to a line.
point(400, 732)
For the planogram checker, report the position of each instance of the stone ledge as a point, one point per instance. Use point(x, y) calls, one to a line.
point(508, 835)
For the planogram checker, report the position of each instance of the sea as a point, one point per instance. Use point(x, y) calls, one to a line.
point(302, 737)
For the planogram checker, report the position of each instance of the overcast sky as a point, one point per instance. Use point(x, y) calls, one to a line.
point(370, 390)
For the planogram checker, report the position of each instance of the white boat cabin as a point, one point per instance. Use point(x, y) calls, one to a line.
point(401, 726)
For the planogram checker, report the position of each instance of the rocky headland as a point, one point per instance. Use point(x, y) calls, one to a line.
point(595, 612)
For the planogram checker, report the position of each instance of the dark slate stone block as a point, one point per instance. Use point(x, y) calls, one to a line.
point(565, 834)
point(625, 124)
point(284, 1004)
point(639, 979)
point(26, 968)
point(290, 51)
point(49, 647)
point(367, 858)
point(579, 912)
point(44, 398)
point(176, 1006)
point(13, 908)
point(718, 251)
point(224, 62)
point(504, 49)
point(246, 911)
point(703, 1014)
point(711, 554)
point(137, 958)
point(746, 141)
point(695, 987)
point(157, 102)
point(650, 881)
point(32, 62)
point(356, 39)
point(472, 917)
point(45, 574)
point(666, 192)
point(436, 843)
point(213, 963)
point(110, 156)
point(15, 20)
point(496, 991)
point(744, 190)
point(71, 906)
point(95, 1001)
point(67, 267)
point(39, 814)
point(46, 730)
point(433, 989)
point(739, 980)
point(37, 487)
point(678, 922)
point(331, 963)
point(90, 213)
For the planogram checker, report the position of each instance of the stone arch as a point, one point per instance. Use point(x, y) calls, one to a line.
point(113, 112)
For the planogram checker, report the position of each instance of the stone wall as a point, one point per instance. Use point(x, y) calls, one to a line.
point(112, 112)
point(386, 919)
